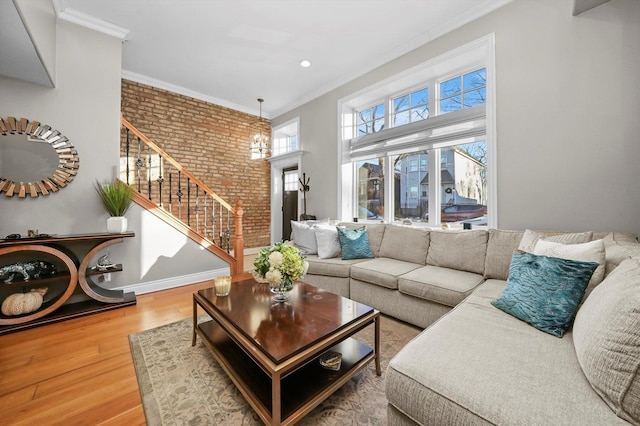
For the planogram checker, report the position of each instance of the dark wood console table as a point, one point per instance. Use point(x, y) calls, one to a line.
point(71, 292)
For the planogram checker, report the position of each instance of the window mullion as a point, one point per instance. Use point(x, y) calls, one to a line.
point(389, 190)
point(434, 186)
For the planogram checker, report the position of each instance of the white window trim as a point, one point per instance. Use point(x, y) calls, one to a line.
point(278, 164)
point(480, 53)
point(295, 122)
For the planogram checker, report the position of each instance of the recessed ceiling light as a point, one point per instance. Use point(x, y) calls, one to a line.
point(305, 63)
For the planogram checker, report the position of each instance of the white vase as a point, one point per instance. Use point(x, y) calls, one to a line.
point(117, 224)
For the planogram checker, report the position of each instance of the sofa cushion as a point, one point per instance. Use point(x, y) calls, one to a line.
point(354, 243)
point(382, 271)
point(405, 243)
point(618, 250)
point(530, 238)
point(376, 233)
point(477, 365)
point(441, 285)
point(545, 291)
point(606, 335)
point(461, 250)
point(328, 242)
point(616, 236)
point(333, 267)
point(592, 251)
point(500, 248)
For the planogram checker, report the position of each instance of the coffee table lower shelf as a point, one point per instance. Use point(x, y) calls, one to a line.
point(301, 390)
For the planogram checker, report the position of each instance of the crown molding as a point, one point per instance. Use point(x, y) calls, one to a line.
point(76, 17)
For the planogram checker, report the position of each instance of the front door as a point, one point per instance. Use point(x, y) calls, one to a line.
point(289, 200)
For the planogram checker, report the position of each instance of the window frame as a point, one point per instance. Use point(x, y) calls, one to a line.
point(474, 55)
point(287, 130)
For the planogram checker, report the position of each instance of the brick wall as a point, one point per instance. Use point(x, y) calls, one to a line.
point(210, 141)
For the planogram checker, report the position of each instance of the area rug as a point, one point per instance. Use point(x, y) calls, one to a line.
point(182, 384)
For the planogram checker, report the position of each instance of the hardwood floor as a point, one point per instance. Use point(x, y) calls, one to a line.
point(80, 372)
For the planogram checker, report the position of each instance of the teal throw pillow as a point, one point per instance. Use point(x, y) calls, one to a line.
point(545, 291)
point(354, 243)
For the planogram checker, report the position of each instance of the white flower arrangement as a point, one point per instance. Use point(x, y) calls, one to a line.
point(280, 265)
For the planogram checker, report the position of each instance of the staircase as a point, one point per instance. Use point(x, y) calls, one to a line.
point(165, 188)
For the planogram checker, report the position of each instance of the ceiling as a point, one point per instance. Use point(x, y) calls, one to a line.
point(231, 52)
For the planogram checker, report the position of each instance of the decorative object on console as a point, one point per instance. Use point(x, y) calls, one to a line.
point(281, 265)
point(35, 168)
point(545, 291)
point(104, 263)
point(30, 269)
point(116, 198)
point(23, 303)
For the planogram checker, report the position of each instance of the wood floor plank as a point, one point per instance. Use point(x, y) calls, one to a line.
point(80, 371)
point(82, 374)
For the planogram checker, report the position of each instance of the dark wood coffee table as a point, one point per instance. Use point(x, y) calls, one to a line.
point(270, 351)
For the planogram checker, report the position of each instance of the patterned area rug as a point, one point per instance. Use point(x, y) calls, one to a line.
point(184, 385)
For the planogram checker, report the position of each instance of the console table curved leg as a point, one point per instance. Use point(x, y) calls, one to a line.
point(92, 290)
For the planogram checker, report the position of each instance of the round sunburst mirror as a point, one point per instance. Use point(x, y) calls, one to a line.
point(34, 158)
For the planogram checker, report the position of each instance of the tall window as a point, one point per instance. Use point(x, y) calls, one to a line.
point(430, 139)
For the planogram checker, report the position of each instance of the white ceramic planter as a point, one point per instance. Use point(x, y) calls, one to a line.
point(117, 224)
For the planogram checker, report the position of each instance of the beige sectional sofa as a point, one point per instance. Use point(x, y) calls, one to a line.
point(475, 364)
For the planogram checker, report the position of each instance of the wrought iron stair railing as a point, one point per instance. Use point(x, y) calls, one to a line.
point(164, 187)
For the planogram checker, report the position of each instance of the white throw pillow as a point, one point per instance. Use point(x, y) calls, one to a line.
point(588, 252)
point(617, 251)
point(328, 242)
point(304, 237)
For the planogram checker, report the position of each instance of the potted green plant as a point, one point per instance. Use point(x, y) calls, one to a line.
point(116, 198)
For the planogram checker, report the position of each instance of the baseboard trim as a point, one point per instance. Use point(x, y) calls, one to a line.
point(167, 283)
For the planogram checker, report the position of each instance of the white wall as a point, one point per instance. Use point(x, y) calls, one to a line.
point(159, 257)
point(85, 107)
point(567, 108)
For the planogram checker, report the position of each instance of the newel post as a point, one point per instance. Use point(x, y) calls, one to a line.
point(238, 241)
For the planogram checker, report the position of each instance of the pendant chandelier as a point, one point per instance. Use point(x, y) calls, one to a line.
point(260, 139)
